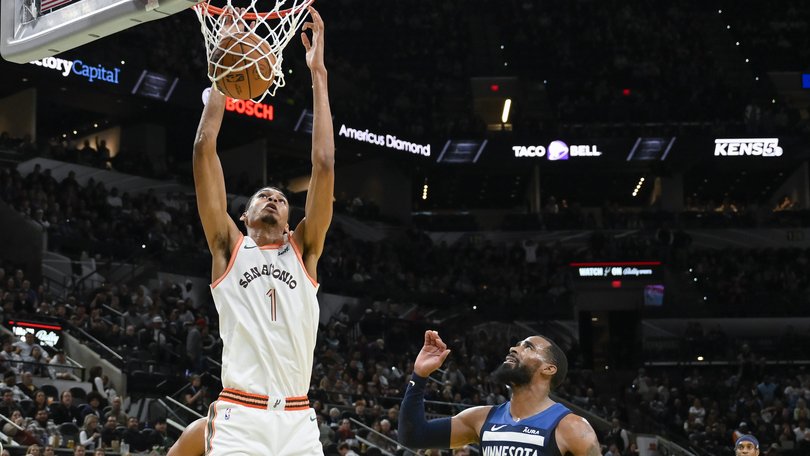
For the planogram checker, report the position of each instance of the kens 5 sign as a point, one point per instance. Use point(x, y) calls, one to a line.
point(740, 147)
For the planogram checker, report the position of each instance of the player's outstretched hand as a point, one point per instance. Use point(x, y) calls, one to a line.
point(432, 355)
point(233, 22)
point(314, 46)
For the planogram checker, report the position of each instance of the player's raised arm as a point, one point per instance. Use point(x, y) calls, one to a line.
point(209, 184)
point(311, 232)
point(414, 430)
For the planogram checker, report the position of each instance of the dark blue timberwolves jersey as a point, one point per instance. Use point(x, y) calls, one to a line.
point(533, 436)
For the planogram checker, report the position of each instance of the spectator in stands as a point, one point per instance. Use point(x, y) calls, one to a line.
point(27, 384)
point(110, 432)
point(154, 340)
point(9, 405)
point(24, 347)
point(345, 450)
point(93, 406)
point(359, 413)
point(196, 396)
point(79, 450)
point(9, 357)
point(44, 429)
point(116, 411)
point(698, 411)
point(59, 367)
point(132, 436)
point(454, 376)
point(194, 346)
point(10, 380)
point(90, 437)
point(33, 450)
point(48, 451)
point(97, 382)
point(801, 412)
point(786, 437)
point(345, 433)
point(40, 403)
point(802, 433)
point(616, 435)
point(767, 390)
point(383, 427)
point(38, 362)
point(64, 411)
point(129, 340)
point(162, 438)
point(19, 423)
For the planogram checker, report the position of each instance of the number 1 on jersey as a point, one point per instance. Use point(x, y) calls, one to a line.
point(272, 294)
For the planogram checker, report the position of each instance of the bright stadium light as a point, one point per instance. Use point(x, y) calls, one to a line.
point(507, 105)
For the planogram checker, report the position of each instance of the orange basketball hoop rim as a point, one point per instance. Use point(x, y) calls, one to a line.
point(212, 10)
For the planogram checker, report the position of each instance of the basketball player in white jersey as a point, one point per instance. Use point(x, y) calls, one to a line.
point(264, 287)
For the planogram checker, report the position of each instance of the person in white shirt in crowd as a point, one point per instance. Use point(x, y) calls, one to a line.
point(59, 367)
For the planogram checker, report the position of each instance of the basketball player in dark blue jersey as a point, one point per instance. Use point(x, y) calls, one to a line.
point(530, 424)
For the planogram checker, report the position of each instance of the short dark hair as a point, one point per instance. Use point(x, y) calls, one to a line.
point(250, 200)
point(95, 395)
point(556, 357)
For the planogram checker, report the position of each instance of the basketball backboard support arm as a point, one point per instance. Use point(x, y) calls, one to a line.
point(26, 37)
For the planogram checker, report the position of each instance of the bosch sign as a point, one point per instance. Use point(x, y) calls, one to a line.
point(243, 107)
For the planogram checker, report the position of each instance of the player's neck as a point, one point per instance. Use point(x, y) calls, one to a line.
point(267, 236)
point(529, 400)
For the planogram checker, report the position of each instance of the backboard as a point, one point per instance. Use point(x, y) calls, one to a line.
point(33, 29)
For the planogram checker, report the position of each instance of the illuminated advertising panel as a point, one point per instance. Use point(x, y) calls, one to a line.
point(557, 151)
point(77, 67)
point(384, 140)
point(616, 269)
point(46, 333)
point(747, 147)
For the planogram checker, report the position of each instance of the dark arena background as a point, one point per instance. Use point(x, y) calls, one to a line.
point(627, 178)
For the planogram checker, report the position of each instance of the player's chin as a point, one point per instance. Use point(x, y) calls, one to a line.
point(269, 218)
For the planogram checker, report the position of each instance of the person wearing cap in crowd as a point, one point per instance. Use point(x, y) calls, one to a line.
point(154, 339)
point(746, 445)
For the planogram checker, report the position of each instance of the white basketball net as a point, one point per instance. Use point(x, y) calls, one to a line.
point(276, 27)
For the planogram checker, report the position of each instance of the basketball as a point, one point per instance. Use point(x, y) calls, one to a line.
point(243, 66)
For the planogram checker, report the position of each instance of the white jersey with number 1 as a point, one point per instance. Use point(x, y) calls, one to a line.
point(268, 319)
